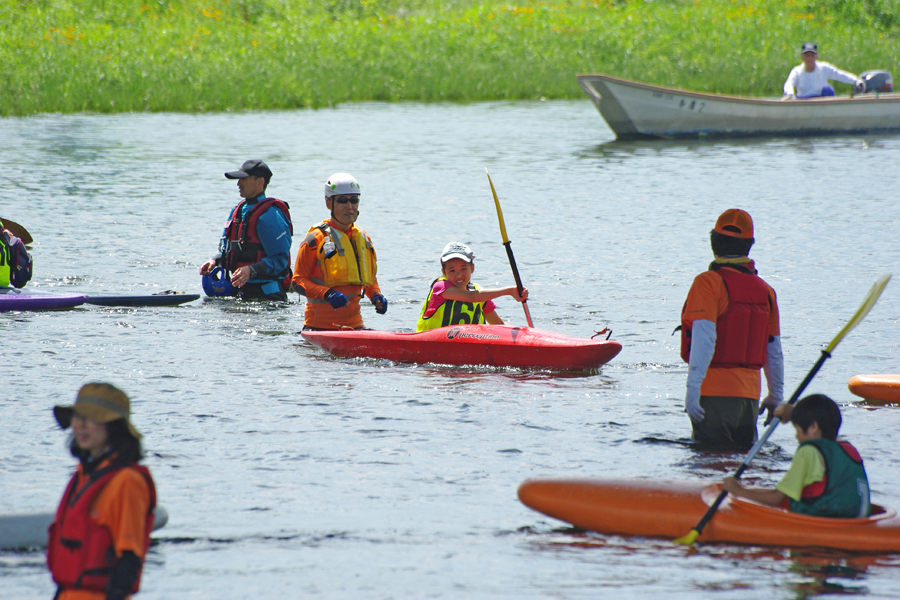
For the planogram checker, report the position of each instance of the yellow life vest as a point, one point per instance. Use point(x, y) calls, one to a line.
point(5, 259)
point(343, 259)
point(451, 312)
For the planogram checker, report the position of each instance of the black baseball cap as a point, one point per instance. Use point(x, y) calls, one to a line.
point(809, 47)
point(251, 168)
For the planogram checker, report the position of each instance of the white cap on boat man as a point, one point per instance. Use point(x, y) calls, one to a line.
point(457, 250)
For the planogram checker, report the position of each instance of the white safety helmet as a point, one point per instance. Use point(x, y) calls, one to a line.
point(340, 184)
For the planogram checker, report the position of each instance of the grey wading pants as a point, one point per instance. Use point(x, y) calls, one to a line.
point(729, 423)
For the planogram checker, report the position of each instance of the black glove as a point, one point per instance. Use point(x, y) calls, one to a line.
point(123, 575)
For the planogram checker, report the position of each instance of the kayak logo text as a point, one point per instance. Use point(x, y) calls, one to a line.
point(455, 333)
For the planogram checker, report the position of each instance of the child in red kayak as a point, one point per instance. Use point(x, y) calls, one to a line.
point(453, 300)
point(826, 477)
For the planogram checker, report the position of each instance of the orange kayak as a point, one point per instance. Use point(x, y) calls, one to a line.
point(669, 509)
point(885, 388)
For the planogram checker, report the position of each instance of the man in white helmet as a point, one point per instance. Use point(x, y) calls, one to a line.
point(336, 264)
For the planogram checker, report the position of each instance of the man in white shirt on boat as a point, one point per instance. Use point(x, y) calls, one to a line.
point(810, 79)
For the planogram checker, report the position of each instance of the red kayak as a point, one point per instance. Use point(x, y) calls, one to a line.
point(493, 345)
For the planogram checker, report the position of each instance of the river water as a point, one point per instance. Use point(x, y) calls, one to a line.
point(288, 473)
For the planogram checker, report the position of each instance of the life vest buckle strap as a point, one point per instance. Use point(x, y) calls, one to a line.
point(70, 544)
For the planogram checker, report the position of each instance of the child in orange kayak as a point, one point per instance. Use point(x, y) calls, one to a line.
point(826, 477)
point(453, 300)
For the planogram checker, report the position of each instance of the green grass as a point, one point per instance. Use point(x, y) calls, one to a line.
point(191, 55)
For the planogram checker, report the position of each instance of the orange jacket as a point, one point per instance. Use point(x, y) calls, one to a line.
point(307, 274)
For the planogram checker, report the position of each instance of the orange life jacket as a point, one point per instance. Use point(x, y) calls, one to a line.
point(80, 552)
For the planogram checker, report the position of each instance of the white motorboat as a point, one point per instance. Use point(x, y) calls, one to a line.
point(638, 110)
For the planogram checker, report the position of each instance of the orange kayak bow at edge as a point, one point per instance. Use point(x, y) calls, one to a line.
point(884, 388)
point(666, 509)
point(492, 345)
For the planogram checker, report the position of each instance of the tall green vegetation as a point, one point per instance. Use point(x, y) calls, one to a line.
point(196, 55)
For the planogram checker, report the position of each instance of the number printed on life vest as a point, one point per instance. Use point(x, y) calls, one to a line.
point(461, 313)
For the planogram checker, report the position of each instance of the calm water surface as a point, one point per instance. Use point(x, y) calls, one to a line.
point(288, 473)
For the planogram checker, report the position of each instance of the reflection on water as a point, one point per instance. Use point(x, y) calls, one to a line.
point(808, 573)
point(874, 404)
point(622, 149)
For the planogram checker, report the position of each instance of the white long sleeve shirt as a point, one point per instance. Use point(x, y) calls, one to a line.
point(811, 84)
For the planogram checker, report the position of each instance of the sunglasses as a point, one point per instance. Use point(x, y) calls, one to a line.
point(354, 199)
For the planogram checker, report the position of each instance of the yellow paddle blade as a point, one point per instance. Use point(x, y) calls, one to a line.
point(864, 308)
point(688, 539)
point(499, 212)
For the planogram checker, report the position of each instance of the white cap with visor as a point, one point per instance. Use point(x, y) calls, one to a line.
point(457, 250)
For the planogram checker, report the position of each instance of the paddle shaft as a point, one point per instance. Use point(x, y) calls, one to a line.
point(515, 270)
point(509, 252)
point(759, 443)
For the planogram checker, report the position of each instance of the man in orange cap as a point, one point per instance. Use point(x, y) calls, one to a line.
point(729, 331)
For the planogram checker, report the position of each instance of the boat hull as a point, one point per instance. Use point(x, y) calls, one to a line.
point(492, 345)
point(884, 388)
point(670, 509)
point(15, 299)
point(637, 110)
point(30, 531)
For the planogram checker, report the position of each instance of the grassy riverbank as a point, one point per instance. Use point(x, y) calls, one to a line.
point(195, 55)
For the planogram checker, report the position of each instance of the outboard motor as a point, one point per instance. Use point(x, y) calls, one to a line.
point(877, 81)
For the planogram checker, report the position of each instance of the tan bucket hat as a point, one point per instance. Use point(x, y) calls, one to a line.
point(100, 402)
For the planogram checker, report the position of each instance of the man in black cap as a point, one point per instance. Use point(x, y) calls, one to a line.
point(255, 250)
point(810, 80)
